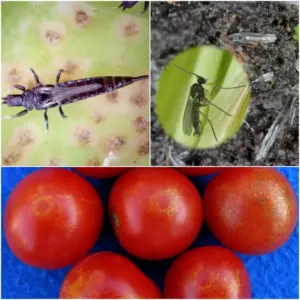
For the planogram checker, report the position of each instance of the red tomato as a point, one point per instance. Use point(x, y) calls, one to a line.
point(101, 172)
point(207, 272)
point(52, 218)
point(251, 210)
point(198, 171)
point(156, 212)
point(107, 275)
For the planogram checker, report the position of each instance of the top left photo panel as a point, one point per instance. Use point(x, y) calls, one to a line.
point(75, 83)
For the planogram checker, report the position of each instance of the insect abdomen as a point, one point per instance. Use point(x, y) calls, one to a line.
point(196, 119)
point(102, 85)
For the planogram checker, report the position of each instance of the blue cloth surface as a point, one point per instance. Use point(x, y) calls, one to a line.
point(272, 275)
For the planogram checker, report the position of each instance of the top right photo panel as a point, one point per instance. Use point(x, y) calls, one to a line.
point(225, 83)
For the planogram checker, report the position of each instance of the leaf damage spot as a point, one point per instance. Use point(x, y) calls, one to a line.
point(12, 74)
point(98, 117)
point(79, 13)
point(144, 149)
point(116, 143)
point(53, 32)
point(54, 161)
point(12, 158)
point(25, 137)
point(112, 97)
point(82, 135)
point(81, 18)
point(131, 29)
point(141, 124)
point(93, 162)
point(139, 100)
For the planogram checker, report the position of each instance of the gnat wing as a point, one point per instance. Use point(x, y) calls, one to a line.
point(187, 121)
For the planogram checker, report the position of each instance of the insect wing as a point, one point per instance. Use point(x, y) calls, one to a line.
point(46, 90)
point(63, 94)
point(188, 116)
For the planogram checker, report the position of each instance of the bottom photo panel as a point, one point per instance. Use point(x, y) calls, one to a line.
point(150, 233)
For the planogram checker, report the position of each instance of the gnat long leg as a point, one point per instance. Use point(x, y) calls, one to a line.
point(35, 76)
point(210, 103)
point(210, 123)
point(58, 75)
point(224, 88)
point(61, 112)
point(20, 114)
point(146, 6)
point(46, 119)
point(19, 87)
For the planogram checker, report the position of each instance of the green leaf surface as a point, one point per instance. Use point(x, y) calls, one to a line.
point(216, 66)
point(296, 33)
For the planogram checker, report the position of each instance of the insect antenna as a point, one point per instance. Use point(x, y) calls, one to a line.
point(198, 76)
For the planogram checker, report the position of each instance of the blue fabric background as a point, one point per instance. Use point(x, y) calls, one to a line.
point(273, 275)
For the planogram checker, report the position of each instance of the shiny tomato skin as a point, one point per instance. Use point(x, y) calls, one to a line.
point(156, 212)
point(251, 210)
point(52, 218)
point(107, 275)
point(101, 172)
point(207, 272)
point(199, 171)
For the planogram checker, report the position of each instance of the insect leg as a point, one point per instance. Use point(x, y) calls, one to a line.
point(146, 5)
point(58, 75)
point(46, 119)
point(61, 112)
point(35, 76)
point(19, 87)
point(226, 88)
point(210, 103)
point(20, 114)
point(210, 123)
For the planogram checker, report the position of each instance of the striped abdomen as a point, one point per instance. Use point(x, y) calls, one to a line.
point(80, 89)
point(196, 118)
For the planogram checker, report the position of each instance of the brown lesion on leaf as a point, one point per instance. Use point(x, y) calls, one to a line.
point(98, 117)
point(93, 162)
point(25, 137)
point(139, 100)
point(53, 32)
point(70, 66)
point(52, 37)
point(82, 135)
point(14, 76)
point(81, 17)
point(55, 161)
point(12, 158)
point(112, 96)
point(115, 143)
point(131, 29)
point(144, 149)
point(141, 124)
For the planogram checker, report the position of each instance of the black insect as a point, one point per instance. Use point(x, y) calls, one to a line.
point(43, 97)
point(130, 4)
point(196, 100)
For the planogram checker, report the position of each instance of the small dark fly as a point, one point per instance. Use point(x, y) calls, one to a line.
point(196, 100)
point(43, 97)
point(130, 4)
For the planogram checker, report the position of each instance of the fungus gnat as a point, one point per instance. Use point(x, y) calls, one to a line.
point(196, 100)
point(43, 97)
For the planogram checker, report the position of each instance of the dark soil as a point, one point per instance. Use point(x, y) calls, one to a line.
point(179, 26)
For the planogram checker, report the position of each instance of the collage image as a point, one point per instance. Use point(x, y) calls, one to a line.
point(150, 150)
